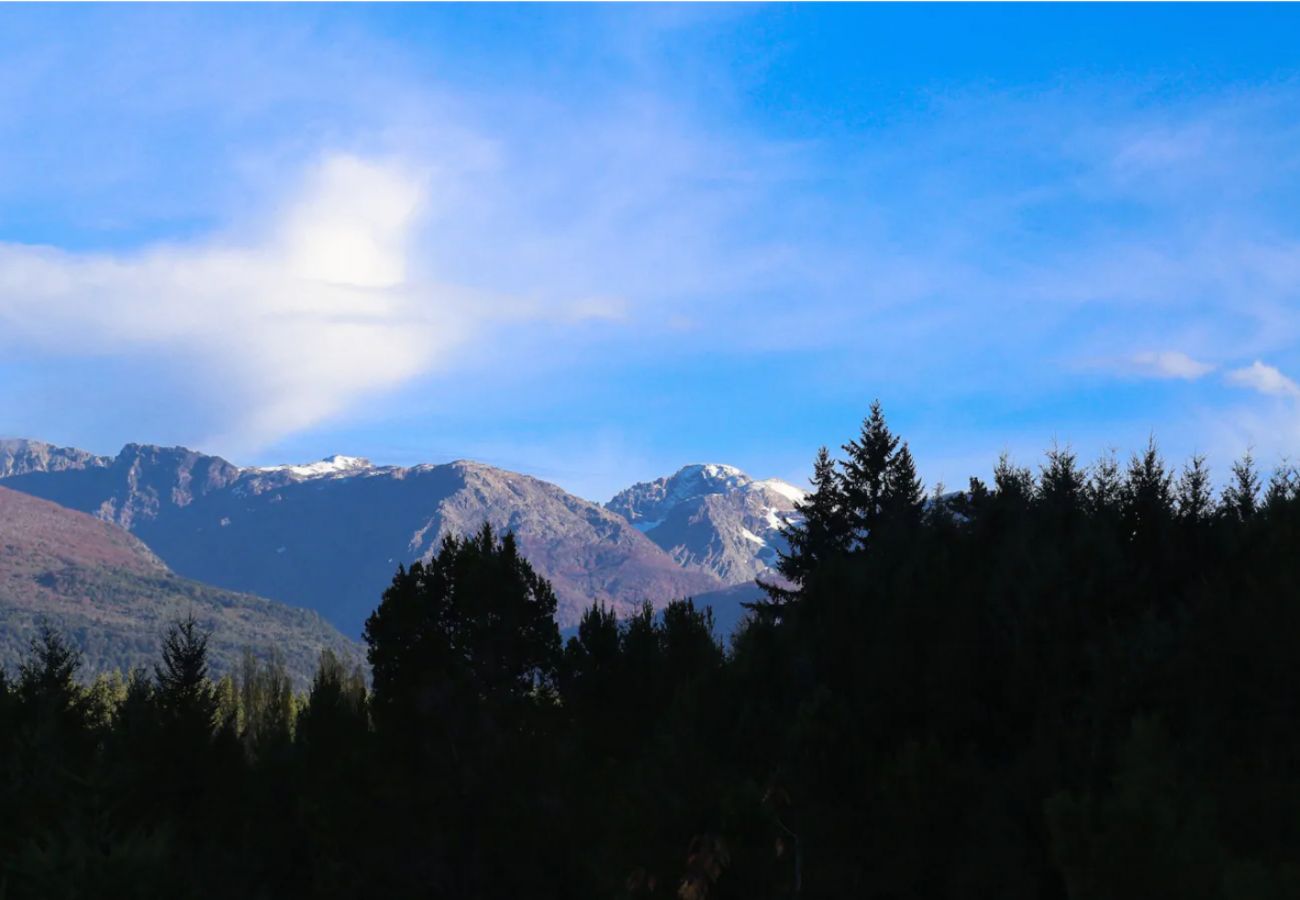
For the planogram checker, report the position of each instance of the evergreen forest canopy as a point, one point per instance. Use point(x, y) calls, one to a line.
point(1070, 683)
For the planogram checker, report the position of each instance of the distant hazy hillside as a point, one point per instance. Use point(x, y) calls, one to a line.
point(715, 517)
point(329, 535)
point(114, 598)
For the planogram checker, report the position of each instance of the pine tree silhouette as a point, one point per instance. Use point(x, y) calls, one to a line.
point(867, 469)
point(822, 531)
point(1241, 497)
point(184, 693)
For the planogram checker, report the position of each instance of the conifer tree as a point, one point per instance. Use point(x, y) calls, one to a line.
point(1013, 484)
point(46, 678)
point(1241, 497)
point(824, 531)
point(57, 714)
point(1281, 488)
point(1061, 484)
point(184, 694)
point(867, 473)
point(1194, 498)
point(51, 744)
point(1104, 491)
point(1148, 491)
point(904, 496)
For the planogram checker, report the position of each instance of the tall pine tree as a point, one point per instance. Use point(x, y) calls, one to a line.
point(184, 694)
point(823, 532)
point(1241, 497)
point(868, 466)
point(904, 497)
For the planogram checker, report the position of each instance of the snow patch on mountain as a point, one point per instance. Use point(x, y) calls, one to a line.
point(330, 466)
point(784, 488)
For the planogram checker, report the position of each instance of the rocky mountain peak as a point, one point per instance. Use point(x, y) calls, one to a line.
point(19, 456)
point(713, 516)
point(149, 478)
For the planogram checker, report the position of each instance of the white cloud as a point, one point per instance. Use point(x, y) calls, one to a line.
point(1264, 379)
point(1170, 364)
point(352, 226)
point(279, 337)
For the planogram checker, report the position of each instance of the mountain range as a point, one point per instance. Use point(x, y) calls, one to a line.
point(329, 535)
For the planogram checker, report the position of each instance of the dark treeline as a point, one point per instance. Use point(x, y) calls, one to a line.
point(1070, 683)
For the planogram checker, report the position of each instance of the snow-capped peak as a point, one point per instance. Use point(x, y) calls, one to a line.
point(715, 516)
point(706, 478)
point(784, 488)
point(330, 465)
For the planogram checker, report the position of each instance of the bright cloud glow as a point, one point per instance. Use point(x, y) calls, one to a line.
point(352, 226)
point(1264, 379)
point(290, 333)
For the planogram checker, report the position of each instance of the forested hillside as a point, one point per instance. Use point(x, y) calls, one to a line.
point(110, 597)
point(1069, 683)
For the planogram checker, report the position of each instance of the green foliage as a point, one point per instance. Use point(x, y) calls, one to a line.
point(266, 706)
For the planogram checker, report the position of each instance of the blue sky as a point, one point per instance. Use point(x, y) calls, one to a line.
point(595, 243)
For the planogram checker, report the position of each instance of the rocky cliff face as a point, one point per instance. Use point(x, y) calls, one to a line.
point(139, 485)
point(329, 535)
point(713, 517)
point(19, 456)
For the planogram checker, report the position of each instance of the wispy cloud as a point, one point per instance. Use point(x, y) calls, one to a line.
point(1170, 364)
point(1265, 379)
